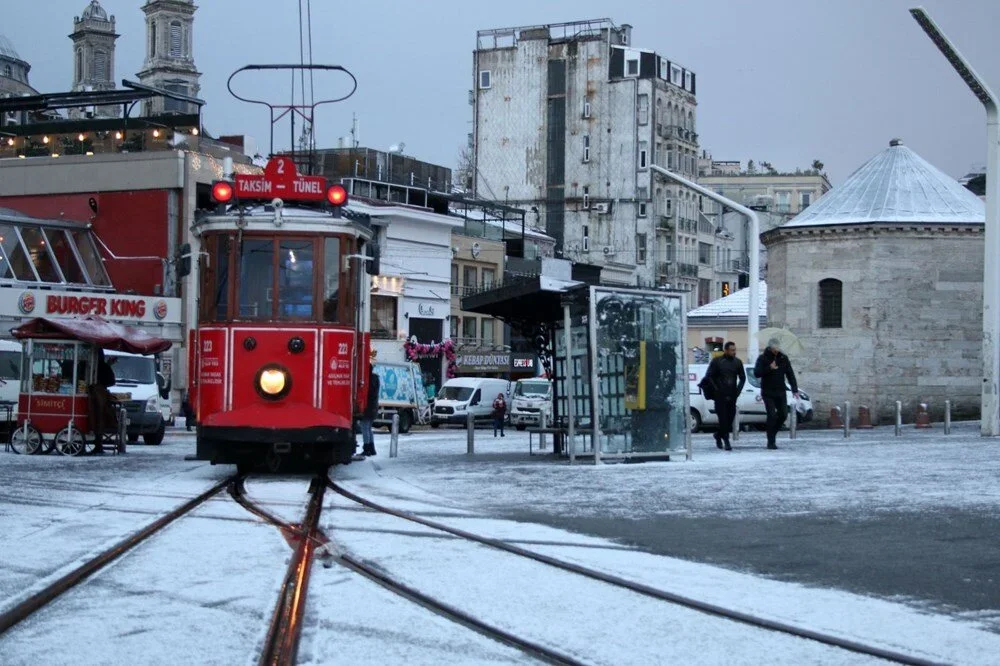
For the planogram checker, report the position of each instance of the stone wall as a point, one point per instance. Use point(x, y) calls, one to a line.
point(912, 315)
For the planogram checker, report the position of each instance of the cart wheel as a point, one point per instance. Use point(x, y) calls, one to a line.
point(69, 442)
point(29, 445)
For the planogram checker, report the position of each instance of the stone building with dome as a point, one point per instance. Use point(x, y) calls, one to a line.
point(94, 57)
point(882, 280)
point(13, 71)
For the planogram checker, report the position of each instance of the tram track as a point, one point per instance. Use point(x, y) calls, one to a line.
point(640, 588)
point(67, 582)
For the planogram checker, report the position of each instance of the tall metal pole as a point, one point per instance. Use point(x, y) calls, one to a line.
point(753, 311)
point(991, 275)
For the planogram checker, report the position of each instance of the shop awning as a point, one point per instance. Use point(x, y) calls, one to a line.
point(96, 331)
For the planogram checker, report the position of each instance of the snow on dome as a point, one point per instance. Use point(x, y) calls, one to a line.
point(95, 11)
point(7, 49)
point(897, 185)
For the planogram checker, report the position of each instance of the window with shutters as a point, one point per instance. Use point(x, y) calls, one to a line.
point(100, 72)
point(831, 303)
point(176, 40)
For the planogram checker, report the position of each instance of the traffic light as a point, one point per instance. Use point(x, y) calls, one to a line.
point(725, 288)
point(336, 196)
point(222, 194)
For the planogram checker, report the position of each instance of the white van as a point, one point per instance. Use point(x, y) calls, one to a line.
point(146, 395)
point(460, 396)
point(10, 375)
point(531, 398)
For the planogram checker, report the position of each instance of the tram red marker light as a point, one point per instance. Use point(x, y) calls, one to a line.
point(336, 195)
point(222, 191)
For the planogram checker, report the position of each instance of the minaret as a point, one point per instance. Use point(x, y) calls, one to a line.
point(169, 54)
point(94, 57)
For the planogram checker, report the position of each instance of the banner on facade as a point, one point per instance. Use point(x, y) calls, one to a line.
point(29, 303)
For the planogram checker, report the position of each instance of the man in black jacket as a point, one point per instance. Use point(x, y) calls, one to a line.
point(727, 376)
point(371, 410)
point(773, 368)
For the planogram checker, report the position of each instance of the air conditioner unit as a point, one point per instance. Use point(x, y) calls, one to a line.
point(608, 250)
point(602, 208)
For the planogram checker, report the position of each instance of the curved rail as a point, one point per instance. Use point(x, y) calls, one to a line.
point(27, 607)
point(663, 595)
point(281, 645)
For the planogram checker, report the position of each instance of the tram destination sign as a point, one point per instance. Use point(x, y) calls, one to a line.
point(280, 180)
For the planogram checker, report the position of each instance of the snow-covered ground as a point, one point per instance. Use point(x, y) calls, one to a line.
point(203, 590)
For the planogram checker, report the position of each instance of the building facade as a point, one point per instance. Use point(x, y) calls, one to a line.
point(169, 62)
point(94, 39)
point(568, 118)
point(13, 74)
point(882, 280)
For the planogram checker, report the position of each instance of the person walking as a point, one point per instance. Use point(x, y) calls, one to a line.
point(727, 375)
point(499, 414)
point(773, 368)
point(368, 416)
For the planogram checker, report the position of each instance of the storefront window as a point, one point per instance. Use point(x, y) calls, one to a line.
point(383, 317)
point(62, 248)
point(256, 279)
point(331, 278)
point(19, 262)
point(37, 246)
point(91, 258)
point(295, 279)
point(5, 271)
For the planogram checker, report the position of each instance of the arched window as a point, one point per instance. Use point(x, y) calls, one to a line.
point(152, 39)
point(831, 303)
point(176, 40)
point(100, 72)
point(79, 65)
point(690, 121)
point(8, 71)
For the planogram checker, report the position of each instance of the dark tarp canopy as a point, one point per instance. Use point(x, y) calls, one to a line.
point(96, 331)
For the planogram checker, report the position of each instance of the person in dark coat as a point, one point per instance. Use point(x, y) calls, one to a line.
point(100, 404)
point(499, 414)
point(368, 417)
point(773, 368)
point(727, 376)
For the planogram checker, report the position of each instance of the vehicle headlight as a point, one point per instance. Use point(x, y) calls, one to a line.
point(151, 406)
point(273, 382)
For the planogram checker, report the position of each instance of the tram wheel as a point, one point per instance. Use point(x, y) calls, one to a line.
point(29, 445)
point(69, 442)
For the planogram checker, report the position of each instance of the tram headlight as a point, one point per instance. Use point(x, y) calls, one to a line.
point(273, 382)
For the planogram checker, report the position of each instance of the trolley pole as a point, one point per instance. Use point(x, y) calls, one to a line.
point(394, 436)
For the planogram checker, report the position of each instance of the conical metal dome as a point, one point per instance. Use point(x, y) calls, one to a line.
point(897, 185)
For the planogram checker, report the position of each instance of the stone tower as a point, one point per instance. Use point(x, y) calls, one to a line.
point(169, 60)
point(93, 56)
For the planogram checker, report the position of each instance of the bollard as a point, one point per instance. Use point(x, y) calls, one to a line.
point(864, 419)
point(899, 417)
point(736, 424)
point(793, 422)
point(923, 417)
point(847, 418)
point(394, 436)
point(836, 423)
point(541, 425)
point(470, 434)
point(947, 417)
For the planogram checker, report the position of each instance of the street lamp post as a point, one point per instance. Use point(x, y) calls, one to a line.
point(753, 309)
point(991, 289)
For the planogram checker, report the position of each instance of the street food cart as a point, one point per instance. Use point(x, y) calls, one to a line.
point(61, 399)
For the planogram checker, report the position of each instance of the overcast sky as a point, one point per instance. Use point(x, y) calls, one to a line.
point(786, 81)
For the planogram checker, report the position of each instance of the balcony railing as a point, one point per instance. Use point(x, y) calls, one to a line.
point(663, 223)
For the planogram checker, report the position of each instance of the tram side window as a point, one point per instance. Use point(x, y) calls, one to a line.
point(295, 279)
point(256, 279)
point(215, 279)
point(331, 278)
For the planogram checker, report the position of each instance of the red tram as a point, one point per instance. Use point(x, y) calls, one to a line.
point(279, 363)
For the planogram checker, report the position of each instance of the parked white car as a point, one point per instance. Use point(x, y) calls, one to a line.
point(461, 396)
point(750, 402)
